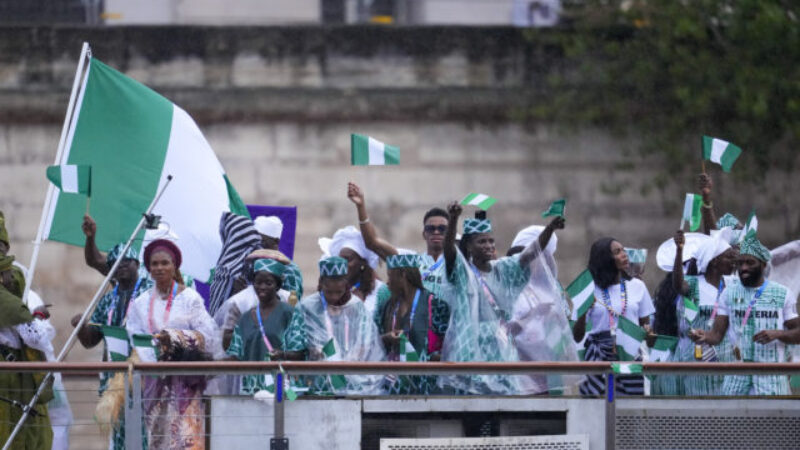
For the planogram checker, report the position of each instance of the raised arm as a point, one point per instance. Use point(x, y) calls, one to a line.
point(707, 209)
point(678, 283)
point(531, 252)
point(450, 251)
point(91, 254)
point(371, 239)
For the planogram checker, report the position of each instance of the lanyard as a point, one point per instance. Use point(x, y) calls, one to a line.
point(486, 290)
point(606, 302)
point(410, 318)
point(716, 302)
point(355, 287)
point(150, 320)
point(261, 328)
point(433, 268)
point(115, 294)
point(329, 323)
point(753, 302)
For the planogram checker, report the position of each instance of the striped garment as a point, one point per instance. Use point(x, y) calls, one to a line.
point(239, 239)
point(599, 347)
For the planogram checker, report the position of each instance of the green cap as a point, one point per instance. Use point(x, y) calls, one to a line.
point(402, 261)
point(751, 246)
point(472, 226)
point(333, 266)
point(268, 265)
point(114, 254)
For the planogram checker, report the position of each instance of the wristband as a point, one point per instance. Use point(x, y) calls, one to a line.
point(708, 205)
point(362, 222)
point(40, 315)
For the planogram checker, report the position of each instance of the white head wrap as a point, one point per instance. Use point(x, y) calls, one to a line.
point(269, 226)
point(665, 257)
point(350, 237)
point(527, 235)
point(708, 250)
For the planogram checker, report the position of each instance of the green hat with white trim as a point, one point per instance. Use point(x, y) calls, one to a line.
point(472, 226)
point(268, 265)
point(333, 266)
point(402, 261)
point(751, 246)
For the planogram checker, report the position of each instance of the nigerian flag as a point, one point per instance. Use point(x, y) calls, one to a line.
point(581, 291)
point(721, 152)
point(690, 309)
point(407, 352)
point(329, 350)
point(626, 368)
point(71, 178)
point(117, 344)
point(663, 347)
point(482, 201)
point(367, 151)
point(629, 339)
point(133, 138)
point(143, 343)
point(750, 227)
point(691, 211)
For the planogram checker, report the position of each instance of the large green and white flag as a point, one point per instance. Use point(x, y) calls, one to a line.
point(71, 178)
point(721, 152)
point(143, 343)
point(581, 291)
point(662, 348)
point(117, 344)
point(367, 151)
point(133, 138)
point(690, 309)
point(482, 201)
point(691, 211)
point(629, 339)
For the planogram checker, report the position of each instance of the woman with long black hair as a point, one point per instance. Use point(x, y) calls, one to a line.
point(615, 294)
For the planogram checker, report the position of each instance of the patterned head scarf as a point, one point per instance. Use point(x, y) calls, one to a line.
point(115, 253)
point(402, 261)
point(165, 245)
point(751, 246)
point(270, 266)
point(727, 220)
point(472, 226)
point(333, 266)
point(3, 231)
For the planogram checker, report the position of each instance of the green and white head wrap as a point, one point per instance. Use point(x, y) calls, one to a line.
point(727, 220)
point(402, 261)
point(751, 246)
point(472, 226)
point(268, 265)
point(115, 253)
point(333, 266)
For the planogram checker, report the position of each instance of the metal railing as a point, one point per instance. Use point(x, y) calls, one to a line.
point(134, 373)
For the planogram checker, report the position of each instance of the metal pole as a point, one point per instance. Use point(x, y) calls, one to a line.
point(611, 415)
point(133, 412)
point(86, 313)
point(85, 51)
point(279, 441)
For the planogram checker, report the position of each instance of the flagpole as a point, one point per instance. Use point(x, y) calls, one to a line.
point(85, 52)
point(85, 317)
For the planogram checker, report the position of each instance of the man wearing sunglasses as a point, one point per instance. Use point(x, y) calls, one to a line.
point(435, 224)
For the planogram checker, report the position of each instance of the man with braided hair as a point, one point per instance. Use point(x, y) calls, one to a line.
point(763, 315)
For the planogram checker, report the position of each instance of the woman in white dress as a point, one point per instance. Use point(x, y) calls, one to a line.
point(176, 317)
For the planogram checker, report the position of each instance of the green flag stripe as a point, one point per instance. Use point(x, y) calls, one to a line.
point(631, 329)
point(665, 342)
point(359, 150)
point(119, 122)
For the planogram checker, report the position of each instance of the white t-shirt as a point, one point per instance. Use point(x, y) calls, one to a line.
point(638, 305)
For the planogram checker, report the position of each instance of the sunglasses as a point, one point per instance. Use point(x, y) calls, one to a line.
point(441, 229)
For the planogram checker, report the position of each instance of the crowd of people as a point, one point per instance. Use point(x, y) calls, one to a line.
point(456, 301)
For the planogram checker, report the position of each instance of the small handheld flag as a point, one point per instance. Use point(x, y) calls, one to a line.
point(581, 291)
point(691, 211)
point(626, 368)
point(71, 178)
point(366, 151)
point(750, 227)
point(143, 343)
point(482, 201)
point(662, 348)
point(690, 310)
point(407, 352)
point(721, 152)
point(629, 339)
point(117, 344)
point(556, 208)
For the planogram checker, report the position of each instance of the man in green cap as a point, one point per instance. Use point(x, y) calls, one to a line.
point(763, 317)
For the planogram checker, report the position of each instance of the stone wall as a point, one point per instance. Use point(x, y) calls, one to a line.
point(278, 105)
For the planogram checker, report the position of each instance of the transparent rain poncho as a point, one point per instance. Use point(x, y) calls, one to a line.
point(481, 305)
point(541, 310)
point(355, 338)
